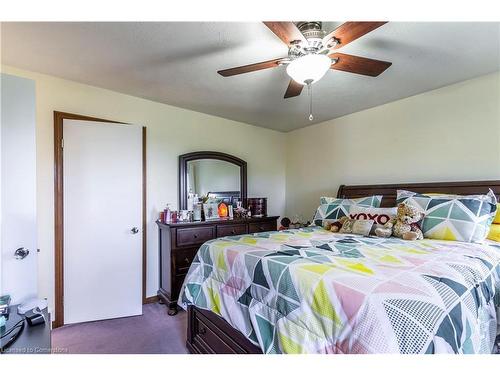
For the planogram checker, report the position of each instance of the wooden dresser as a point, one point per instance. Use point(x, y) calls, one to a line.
point(179, 242)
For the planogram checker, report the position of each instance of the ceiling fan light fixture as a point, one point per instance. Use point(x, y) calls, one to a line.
point(308, 68)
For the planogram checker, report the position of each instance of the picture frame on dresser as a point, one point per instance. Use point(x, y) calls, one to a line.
point(211, 211)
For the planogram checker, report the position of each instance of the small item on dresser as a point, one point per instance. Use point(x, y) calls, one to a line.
point(222, 210)
point(184, 215)
point(162, 216)
point(230, 211)
point(239, 211)
point(167, 214)
point(173, 217)
point(211, 211)
point(258, 206)
point(190, 200)
point(197, 212)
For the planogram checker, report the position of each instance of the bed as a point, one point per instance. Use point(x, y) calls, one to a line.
point(312, 291)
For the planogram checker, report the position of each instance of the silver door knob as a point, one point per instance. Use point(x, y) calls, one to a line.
point(134, 230)
point(21, 253)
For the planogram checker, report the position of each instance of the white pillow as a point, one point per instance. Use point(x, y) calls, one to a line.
point(379, 215)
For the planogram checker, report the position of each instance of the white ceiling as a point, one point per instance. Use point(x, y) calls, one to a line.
point(176, 63)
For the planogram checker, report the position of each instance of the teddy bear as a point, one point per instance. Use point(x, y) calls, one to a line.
point(404, 225)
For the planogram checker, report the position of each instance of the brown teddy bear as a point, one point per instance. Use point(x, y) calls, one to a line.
point(405, 225)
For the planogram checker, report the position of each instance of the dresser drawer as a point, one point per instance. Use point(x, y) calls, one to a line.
point(194, 236)
point(183, 259)
point(210, 339)
point(231, 230)
point(265, 226)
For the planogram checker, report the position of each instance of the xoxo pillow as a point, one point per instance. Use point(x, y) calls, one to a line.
point(379, 215)
point(332, 209)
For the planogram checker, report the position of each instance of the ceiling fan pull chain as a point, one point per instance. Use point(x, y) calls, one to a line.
point(309, 90)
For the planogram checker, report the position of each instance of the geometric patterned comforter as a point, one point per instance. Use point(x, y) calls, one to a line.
point(312, 291)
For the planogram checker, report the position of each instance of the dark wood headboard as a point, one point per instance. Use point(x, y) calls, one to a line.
point(389, 190)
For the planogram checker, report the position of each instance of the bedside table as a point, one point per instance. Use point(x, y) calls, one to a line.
point(32, 340)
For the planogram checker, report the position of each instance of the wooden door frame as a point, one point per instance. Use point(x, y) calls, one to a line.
point(59, 118)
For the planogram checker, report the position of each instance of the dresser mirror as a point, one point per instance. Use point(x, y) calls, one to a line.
point(213, 174)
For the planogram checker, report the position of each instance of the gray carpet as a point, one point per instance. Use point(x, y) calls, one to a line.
point(153, 332)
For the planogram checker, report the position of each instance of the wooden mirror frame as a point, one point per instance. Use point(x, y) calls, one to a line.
point(183, 160)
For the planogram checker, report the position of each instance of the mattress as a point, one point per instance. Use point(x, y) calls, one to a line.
point(312, 291)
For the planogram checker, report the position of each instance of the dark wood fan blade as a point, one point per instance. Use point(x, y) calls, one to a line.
point(359, 65)
point(349, 31)
point(250, 68)
point(286, 31)
point(293, 89)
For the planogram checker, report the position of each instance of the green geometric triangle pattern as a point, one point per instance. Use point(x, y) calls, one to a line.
point(441, 211)
point(430, 223)
point(265, 331)
point(286, 287)
point(458, 213)
point(275, 270)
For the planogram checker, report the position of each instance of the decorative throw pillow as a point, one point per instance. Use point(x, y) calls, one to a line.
point(362, 227)
point(494, 233)
point(332, 209)
point(379, 215)
point(496, 219)
point(464, 218)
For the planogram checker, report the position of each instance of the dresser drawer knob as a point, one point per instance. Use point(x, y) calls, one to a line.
point(195, 235)
point(203, 330)
point(186, 260)
point(233, 232)
point(261, 228)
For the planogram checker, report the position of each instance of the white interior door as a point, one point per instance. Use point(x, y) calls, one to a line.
point(102, 205)
point(18, 188)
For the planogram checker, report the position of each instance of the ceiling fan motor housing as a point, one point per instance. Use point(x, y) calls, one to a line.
point(313, 34)
point(311, 30)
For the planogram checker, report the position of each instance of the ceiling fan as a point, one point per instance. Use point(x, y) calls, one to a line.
point(311, 52)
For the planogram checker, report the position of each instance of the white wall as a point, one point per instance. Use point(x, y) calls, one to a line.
point(452, 133)
point(170, 131)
